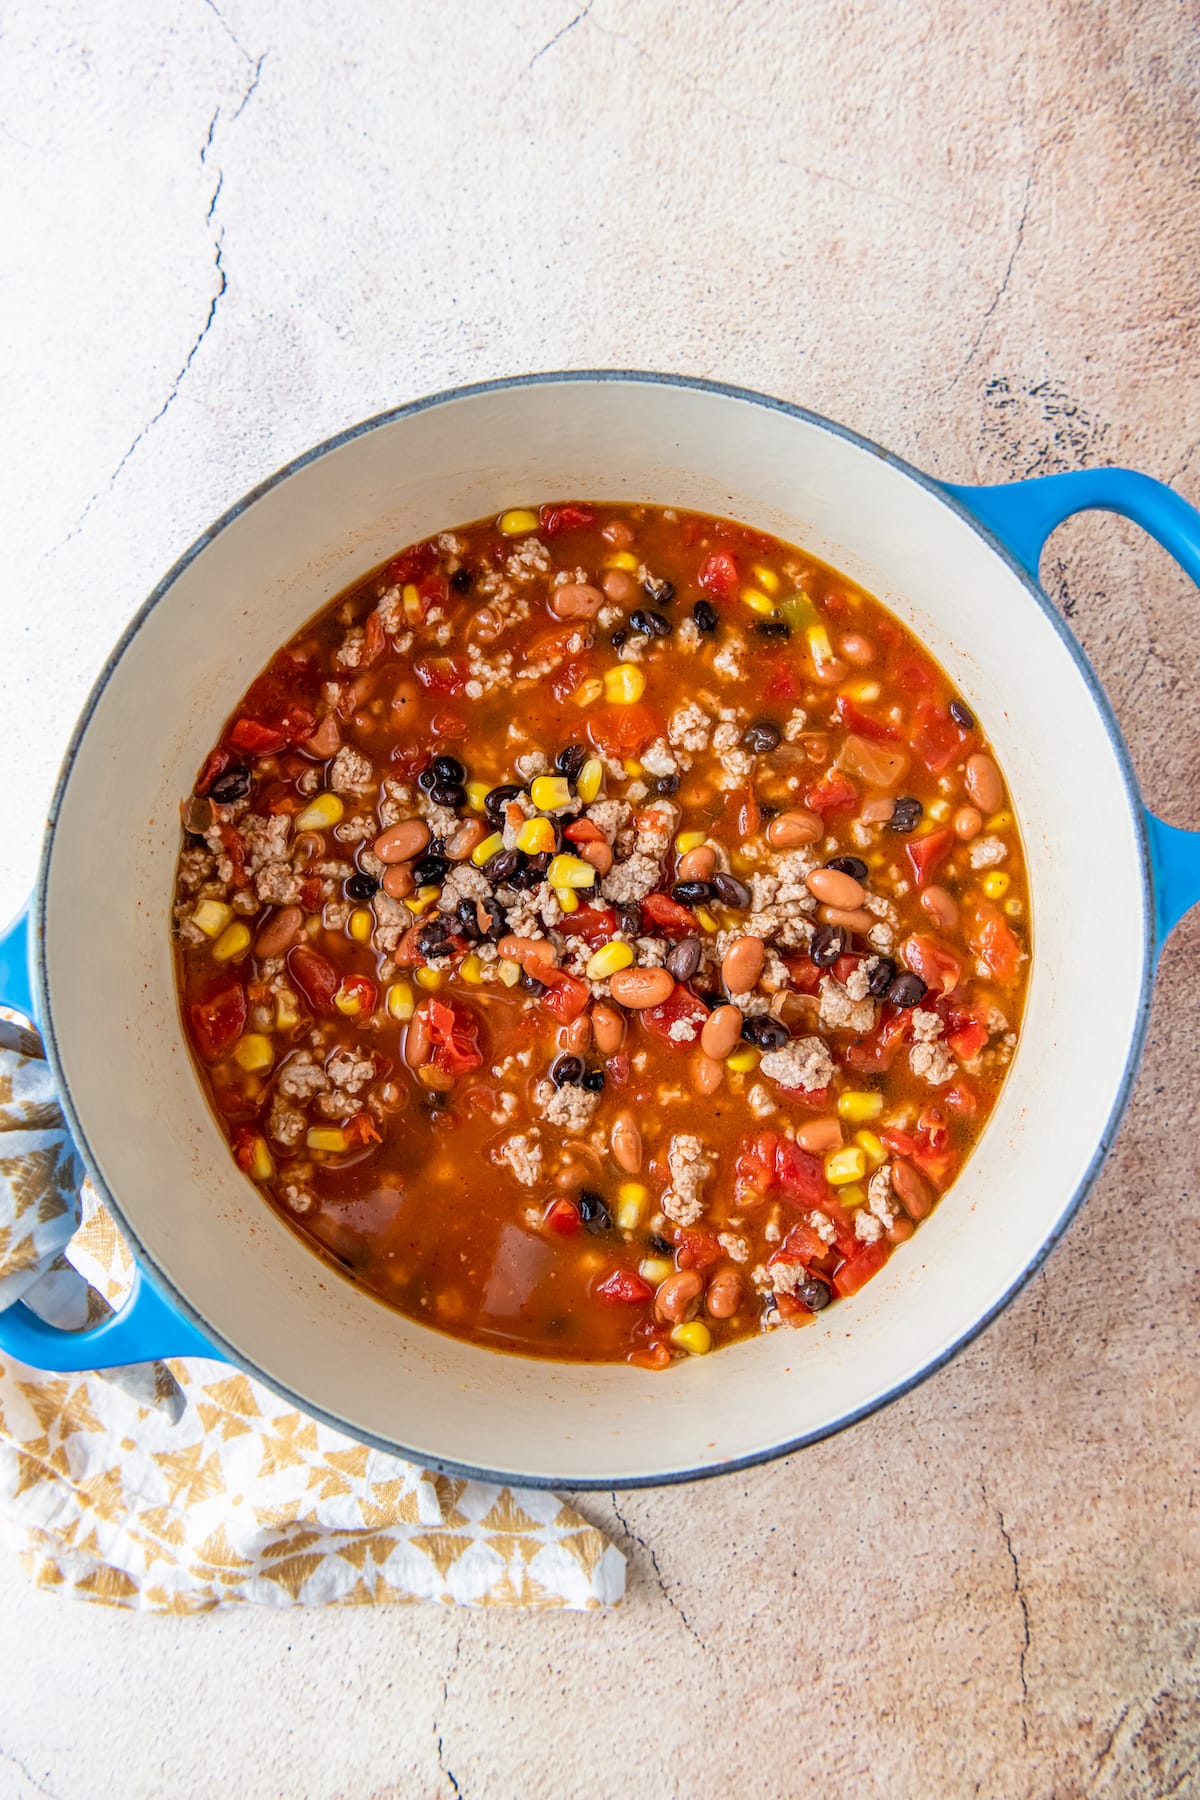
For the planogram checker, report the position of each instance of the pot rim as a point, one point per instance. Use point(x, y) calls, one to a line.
point(729, 391)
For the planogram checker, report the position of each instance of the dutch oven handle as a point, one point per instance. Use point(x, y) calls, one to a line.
point(1022, 514)
point(147, 1328)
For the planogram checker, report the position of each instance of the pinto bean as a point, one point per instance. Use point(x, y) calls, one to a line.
point(577, 1036)
point(836, 889)
point(402, 841)
point(724, 1294)
point(529, 952)
point(796, 827)
point(910, 1189)
point(326, 740)
point(697, 864)
point(722, 1029)
point(677, 1295)
point(408, 952)
point(858, 649)
point(626, 1142)
point(576, 600)
point(819, 1136)
point(968, 823)
point(640, 988)
point(398, 882)
point(876, 812)
point(858, 920)
point(983, 783)
point(900, 1230)
point(706, 1073)
point(418, 1044)
point(742, 964)
point(941, 906)
point(608, 1028)
point(405, 696)
point(597, 852)
point(619, 533)
point(619, 585)
point(460, 843)
point(831, 672)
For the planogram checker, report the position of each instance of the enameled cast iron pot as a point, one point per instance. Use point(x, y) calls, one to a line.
point(221, 1276)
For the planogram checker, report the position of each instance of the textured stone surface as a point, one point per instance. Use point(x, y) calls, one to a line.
point(974, 234)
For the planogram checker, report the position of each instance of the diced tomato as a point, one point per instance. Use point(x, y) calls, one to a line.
point(782, 680)
point(697, 1250)
point(719, 575)
point(927, 853)
point(409, 758)
point(446, 723)
point(929, 958)
point(911, 674)
point(857, 1270)
point(799, 1173)
point(583, 831)
point(931, 1125)
point(938, 1165)
point(961, 1098)
point(594, 924)
point(678, 1020)
point(569, 517)
point(990, 938)
point(310, 893)
point(617, 1068)
point(234, 847)
point(742, 814)
point(359, 994)
point(565, 996)
point(243, 1147)
point(806, 977)
point(875, 1053)
point(570, 675)
point(374, 640)
point(826, 796)
point(654, 1355)
point(855, 719)
point(218, 1020)
point(813, 1098)
point(755, 1166)
point(412, 565)
point(800, 1245)
point(455, 1037)
point(968, 1038)
point(215, 763)
point(278, 704)
point(844, 967)
point(315, 976)
point(622, 731)
point(624, 1287)
point(562, 1217)
point(253, 739)
point(441, 674)
point(362, 1129)
point(899, 1141)
point(668, 915)
point(935, 738)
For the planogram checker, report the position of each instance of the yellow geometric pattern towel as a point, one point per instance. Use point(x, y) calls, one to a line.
point(181, 1488)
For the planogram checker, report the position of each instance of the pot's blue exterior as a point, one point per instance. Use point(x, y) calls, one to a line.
point(1016, 518)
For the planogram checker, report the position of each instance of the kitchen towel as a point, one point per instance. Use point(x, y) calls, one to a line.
point(186, 1486)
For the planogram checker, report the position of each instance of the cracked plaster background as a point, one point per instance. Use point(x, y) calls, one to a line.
point(972, 233)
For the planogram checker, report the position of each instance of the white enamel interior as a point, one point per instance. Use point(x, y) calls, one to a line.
point(108, 883)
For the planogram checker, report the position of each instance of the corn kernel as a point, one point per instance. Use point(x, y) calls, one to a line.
point(330, 1138)
point(631, 1204)
point(401, 1003)
point(487, 849)
point(939, 810)
point(705, 919)
point(254, 1051)
point(757, 602)
point(689, 840)
point(608, 959)
point(872, 1147)
point(621, 559)
point(1001, 821)
point(567, 898)
point(211, 917)
point(694, 1337)
point(842, 1166)
point(588, 692)
point(362, 923)
point(858, 1106)
point(633, 768)
point(1013, 908)
point(587, 782)
point(742, 1060)
point(520, 519)
point(819, 644)
point(432, 979)
point(656, 1268)
point(438, 1079)
point(570, 872)
point(477, 793)
point(471, 970)
point(286, 1015)
point(348, 1001)
point(549, 792)
point(412, 604)
point(995, 884)
point(319, 814)
point(508, 971)
point(853, 1194)
point(421, 901)
point(233, 942)
point(262, 1163)
point(625, 684)
point(865, 692)
point(766, 578)
point(535, 837)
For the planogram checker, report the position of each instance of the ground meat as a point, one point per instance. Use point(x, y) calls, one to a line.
point(858, 981)
point(266, 840)
point(351, 772)
point(353, 831)
point(780, 910)
point(880, 1199)
point(395, 801)
point(840, 1013)
point(301, 1077)
point(652, 952)
point(728, 660)
point(656, 828)
point(759, 1101)
point(528, 557)
point(631, 880)
point(568, 1107)
point(690, 1168)
point(277, 884)
point(867, 1228)
point(803, 1063)
point(782, 1277)
point(795, 725)
point(689, 727)
point(286, 1124)
point(298, 1199)
point(609, 816)
point(392, 920)
point(736, 1248)
point(986, 852)
point(926, 1026)
point(350, 652)
point(822, 1224)
point(523, 1154)
point(658, 759)
point(932, 1063)
point(349, 1070)
point(196, 867)
point(464, 882)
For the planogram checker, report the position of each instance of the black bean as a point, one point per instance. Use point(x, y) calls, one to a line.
point(531, 984)
point(650, 624)
point(593, 1211)
point(962, 715)
point(497, 798)
point(691, 893)
point(907, 990)
point(666, 784)
point(712, 1001)
point(881, 977)
point(449, 793)
point(765, 1031)
point(468, 921)
point(684, 959)
point(500, 867)
point(813, 1293)
point(427, 779)
point(660, 1245)
point(568, 762)
point(431, 939)
point(772, 628)
point(567, 1070)
point(431, 871)
point(849, 865)
point(629, 920)
point(436, 847)
point(905, 813)
point(233, 785)
point(361, 887)
point(462, 580)
point(593, 1081)
point(620, 636)
point(499, 925)
point(828, 943)
point(762, 736)
point(704, 616)
point(541, 862)
point(448, 768)
point(525, 879)
point(731, 891)
point(661, 592)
